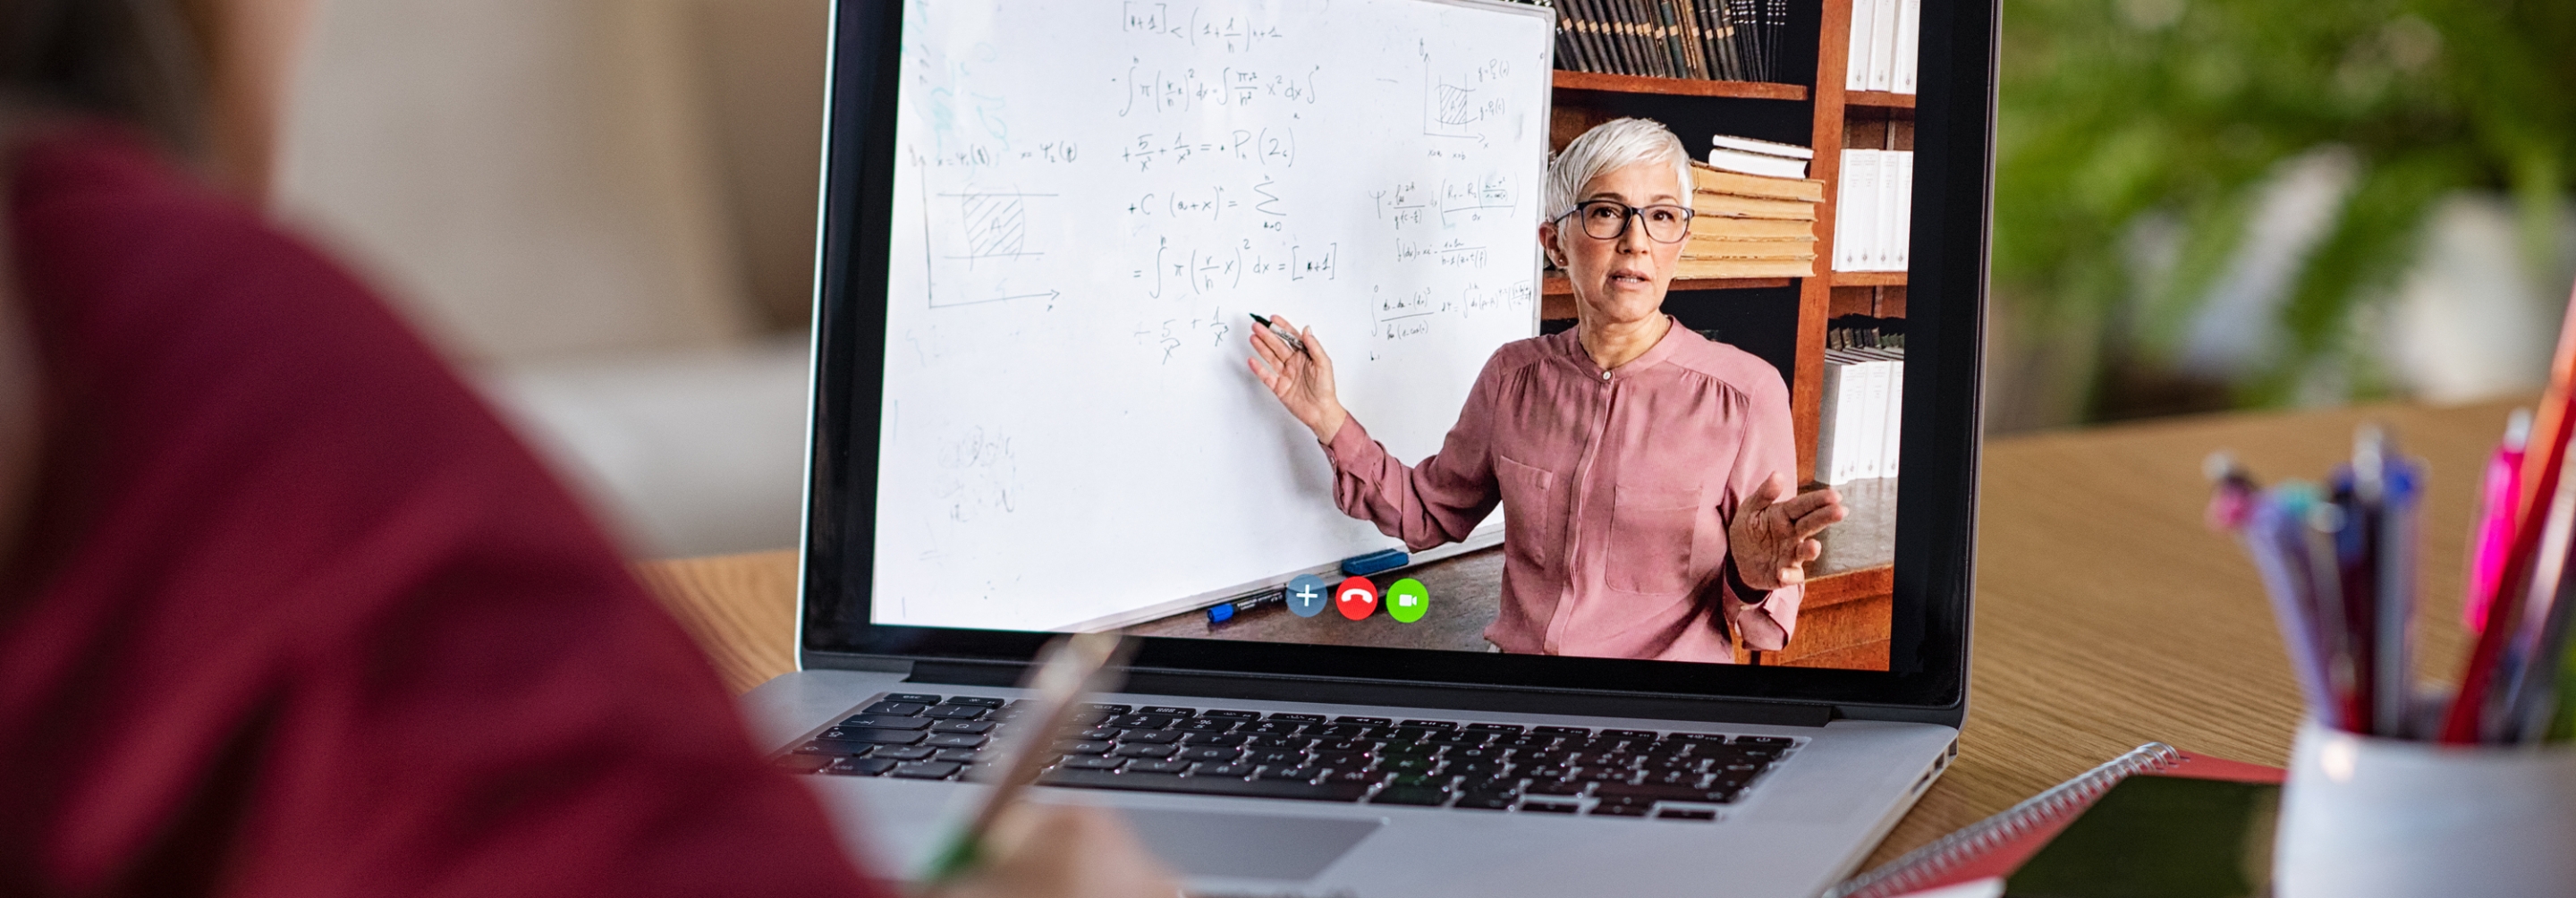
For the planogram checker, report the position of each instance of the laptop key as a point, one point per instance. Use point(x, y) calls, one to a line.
point(1170, 767)
point(1769, 741)
point(896, 709)
point(863, 734)
point(1237, 771)
point(913, 698)
point(905, 753)
point(1087, 762)
point(1476, 802)
point(1550, 807)
point(962, 726)
point(1227, 740)
point(1417, 795)
point(1086, 748)
point(1232, 715)
point(1364, 721)
point(959, 755)
point(804, 763)
point(1290, 774)
point(1148, 735)
point(1298, 718)
point(1700, 814)
point(1637, 794)
point(957, 740)
point(1211, 753)
point(977, 701)
point(1561, 731)
point(926, 770)
point(887, 722)
point(860, 767)
point(1621, 810)
point(1206, 785)
point(1144, 750)
point(1167, 710)
point(956, 712)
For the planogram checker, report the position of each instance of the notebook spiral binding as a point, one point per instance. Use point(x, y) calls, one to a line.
point(1926, 865)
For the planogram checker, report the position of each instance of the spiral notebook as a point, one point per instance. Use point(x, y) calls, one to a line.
point(1998, 845)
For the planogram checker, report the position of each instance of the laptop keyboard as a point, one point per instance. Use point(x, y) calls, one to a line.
point(1421, 763)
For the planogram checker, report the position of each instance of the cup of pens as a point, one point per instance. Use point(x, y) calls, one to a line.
point(2395, 789)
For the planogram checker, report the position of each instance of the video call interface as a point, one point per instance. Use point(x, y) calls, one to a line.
point(1114, 295)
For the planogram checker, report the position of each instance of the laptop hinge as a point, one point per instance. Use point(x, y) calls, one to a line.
point(1363, 692)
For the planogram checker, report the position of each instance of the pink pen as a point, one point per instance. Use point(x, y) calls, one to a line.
point(2492, 538)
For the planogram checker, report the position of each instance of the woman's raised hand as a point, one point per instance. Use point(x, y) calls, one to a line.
point(1773, 534)
point(1302, 379)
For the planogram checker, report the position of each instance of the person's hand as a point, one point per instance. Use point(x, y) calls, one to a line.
point(1772, 539)
point(1062, 851)
point(1303, 381)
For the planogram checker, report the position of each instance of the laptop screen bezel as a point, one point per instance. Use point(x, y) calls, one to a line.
point(1933, 574)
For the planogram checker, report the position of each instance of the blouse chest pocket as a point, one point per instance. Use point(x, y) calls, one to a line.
point(1653, 528)
point(1529, 511)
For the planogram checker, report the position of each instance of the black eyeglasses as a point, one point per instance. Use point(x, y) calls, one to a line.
point(1608, 220)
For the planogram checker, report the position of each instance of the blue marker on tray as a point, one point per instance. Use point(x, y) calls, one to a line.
point(1375, 563)
point(1222, 612)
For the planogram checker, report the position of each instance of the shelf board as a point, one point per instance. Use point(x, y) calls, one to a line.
point(1869, 279)
point(1878, 99)
point(1681, 87)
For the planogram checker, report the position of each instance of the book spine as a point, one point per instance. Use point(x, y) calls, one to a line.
point(1909, 44)
point(1778, 27)
point(1882, 45)
point(1902, 247)
point(1856, 65)
point(1829, 421)
point(1895, 416)
point(1887, 220)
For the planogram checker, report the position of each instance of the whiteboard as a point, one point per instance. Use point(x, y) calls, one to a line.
point(1090, 197)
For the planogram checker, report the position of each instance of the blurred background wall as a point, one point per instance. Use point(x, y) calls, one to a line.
point(2214, 204)
point(605, 209)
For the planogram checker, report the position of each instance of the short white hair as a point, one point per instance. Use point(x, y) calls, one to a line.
point(1608, 147)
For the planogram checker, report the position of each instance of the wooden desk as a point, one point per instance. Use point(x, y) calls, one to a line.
point(2106, 615)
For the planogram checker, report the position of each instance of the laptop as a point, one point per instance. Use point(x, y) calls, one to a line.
point(1036, 411)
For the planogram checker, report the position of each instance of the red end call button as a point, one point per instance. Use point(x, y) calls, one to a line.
point(1356, 598)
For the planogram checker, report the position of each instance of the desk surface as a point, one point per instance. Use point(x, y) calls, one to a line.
point(2106, 615)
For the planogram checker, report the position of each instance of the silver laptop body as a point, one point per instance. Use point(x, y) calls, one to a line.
point(1745, 781)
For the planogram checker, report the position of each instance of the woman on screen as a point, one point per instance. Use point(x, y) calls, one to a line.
point(1646, 473)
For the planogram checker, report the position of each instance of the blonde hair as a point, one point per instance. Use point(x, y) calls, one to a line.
point(1608, 147)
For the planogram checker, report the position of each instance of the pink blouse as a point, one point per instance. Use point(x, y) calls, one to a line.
point(1616, 488)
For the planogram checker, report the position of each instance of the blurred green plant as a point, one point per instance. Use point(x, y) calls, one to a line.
point(2113, 111)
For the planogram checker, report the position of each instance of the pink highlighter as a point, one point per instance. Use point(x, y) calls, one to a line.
point(2498, 502)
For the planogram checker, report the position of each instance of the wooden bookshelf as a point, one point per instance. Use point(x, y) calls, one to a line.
point(1845, 619)
point(1678, 87)
point(1869, 278)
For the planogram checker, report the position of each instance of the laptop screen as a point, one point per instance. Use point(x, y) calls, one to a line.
point(1426, 326)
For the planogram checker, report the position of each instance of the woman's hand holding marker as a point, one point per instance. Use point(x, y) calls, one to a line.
point(1301, 376)
point(1773, 534)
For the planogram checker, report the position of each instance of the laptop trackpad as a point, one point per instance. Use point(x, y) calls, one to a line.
point(1247, 846)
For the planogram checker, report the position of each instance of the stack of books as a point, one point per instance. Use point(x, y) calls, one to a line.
point(1874, 215)
point(1886, 37)
point(1725, 40)
point(1755, 212)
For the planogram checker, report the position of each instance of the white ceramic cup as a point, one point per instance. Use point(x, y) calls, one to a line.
point(2364, 817)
